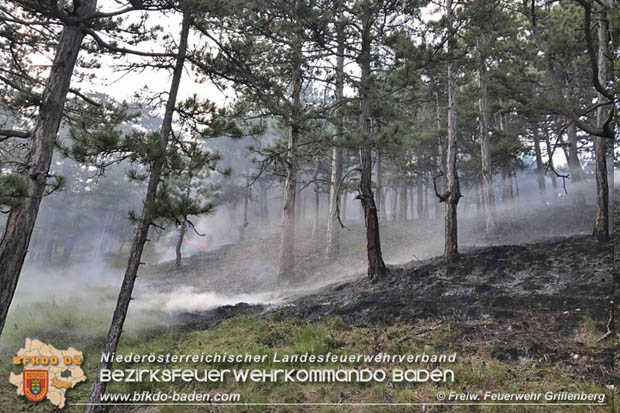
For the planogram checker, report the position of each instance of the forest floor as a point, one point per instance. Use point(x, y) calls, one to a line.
point(524, 315)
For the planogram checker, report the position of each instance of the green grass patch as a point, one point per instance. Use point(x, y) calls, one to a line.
point(254, 335)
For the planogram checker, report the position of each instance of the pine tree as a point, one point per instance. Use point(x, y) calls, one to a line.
point(453, 193)
point(41, 139)
point(146, 217)
point(334, 222)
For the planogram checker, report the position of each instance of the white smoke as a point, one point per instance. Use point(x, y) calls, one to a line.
point(188, 299)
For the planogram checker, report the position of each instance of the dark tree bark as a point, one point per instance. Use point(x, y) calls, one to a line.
point(180, 239)
point(574, 165)
point(244, 219)
point(506, 168)
point(441, 146)
point(333, 225)
point(402, 214)
point(299, 217)
point(21, 219)
point(143, 225)
point(427, 210)
point(601, 222)
point(507, 193)
point(380, 194)
point(317, 200)
point(264, 204)
point(287, 226)
point(420, 198)
point(376, 266)
point(479, 198)
point(394, 203)
point(540, 167)
point(300, 205)
point(453, 194)
point(516, 179)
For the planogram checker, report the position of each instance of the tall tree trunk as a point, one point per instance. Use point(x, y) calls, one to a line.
point(380, 196)
point(317, 200)
point(554, 179)
point(479, 199)
point(264, 204)
point(394, 203)
point(516, 179)
point(343, 213)
point(437, 209)
point(21, 219)
point(420, 198)
point(333, 225)
point(507, 193)
point(298, 201)
point(574, 165)
point(601, 222)
point(451, 251)
point(402, 214)
point(485, 148)
point(376, 266)
point(287, 229)
point(332, 249)
point(182, 229)
point(540, 167)
point(244, 219)
point(142, 227)
point(427, 210)
point(441, 145)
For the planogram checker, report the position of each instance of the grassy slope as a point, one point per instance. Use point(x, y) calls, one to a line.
point(476, 367)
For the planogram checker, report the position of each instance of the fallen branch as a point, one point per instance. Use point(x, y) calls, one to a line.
point(609, 326)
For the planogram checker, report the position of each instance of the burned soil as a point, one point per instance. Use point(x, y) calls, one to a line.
point(529, 301)
point(543, 302)
point(571, 275)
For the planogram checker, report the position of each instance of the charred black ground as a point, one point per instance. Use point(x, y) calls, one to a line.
point(526, 302)
point(569, 274)
point(529, 300)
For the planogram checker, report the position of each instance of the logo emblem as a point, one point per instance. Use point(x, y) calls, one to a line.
point(36, 384)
